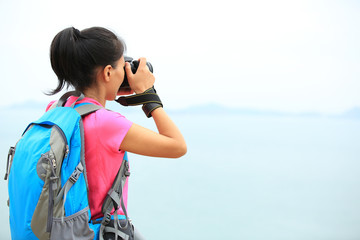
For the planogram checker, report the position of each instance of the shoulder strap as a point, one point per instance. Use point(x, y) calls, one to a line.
point(83, 109)
point(114, 200)
point(64, 98)
point(86, 109)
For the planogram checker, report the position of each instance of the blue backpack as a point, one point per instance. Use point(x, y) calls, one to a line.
point(47, 179)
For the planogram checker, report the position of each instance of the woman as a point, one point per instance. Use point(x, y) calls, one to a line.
point(92, 62)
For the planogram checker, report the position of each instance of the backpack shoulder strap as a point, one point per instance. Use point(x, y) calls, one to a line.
point(86, 109)
point(114, 200)
point(64, 98)
point(83, 109)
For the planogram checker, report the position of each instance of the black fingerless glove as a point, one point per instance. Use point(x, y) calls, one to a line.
point(149, 99)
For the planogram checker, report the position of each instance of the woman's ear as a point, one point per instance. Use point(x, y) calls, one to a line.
point(107, 73)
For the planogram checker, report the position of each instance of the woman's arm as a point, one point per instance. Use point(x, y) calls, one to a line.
point(168, 142)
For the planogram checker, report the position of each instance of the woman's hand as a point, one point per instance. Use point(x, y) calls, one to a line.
point(168, 142)
point(142, 80)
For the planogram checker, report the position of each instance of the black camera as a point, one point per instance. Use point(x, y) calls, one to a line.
point(134, 66)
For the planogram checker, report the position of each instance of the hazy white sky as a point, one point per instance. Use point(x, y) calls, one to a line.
point(274, 55)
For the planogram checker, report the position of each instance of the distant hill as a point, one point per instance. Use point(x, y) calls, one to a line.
point(353, 113)
point(218, 109)
point(198, 109)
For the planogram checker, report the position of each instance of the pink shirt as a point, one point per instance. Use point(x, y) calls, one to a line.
point(104, 131)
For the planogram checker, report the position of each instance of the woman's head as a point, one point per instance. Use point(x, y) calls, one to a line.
point(77, 55)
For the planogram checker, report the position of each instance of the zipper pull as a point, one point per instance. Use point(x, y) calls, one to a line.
point(53, 177)
point(9, 162)
point(54, 164)
point(66, 151)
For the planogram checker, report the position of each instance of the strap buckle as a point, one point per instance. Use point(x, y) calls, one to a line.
point(126, 172)
point(114, 195)
point(106, 219)
point(76, 174)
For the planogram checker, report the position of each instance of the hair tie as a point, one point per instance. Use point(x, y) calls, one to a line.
point(77, 33)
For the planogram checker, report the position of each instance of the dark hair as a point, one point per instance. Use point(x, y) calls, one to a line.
point(75, 55)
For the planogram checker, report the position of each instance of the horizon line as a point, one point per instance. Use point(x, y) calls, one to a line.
point(205, 108)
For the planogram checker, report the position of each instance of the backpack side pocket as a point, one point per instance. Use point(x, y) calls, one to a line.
point(75, 226)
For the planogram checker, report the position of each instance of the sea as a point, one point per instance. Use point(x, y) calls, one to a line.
point(245, 176)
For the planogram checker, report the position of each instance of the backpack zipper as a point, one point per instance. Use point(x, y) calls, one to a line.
point(52, 188)
point(54, 178)
point(66, 150)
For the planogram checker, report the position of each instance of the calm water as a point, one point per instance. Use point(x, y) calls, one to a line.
point(244, 177)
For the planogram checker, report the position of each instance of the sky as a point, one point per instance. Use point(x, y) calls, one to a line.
point(291, 56)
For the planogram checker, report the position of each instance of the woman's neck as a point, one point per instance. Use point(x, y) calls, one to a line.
point(96, 95)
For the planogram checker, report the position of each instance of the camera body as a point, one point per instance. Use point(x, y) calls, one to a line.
point(134, 66)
